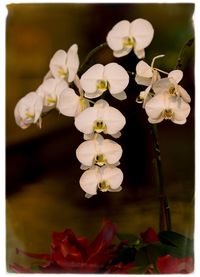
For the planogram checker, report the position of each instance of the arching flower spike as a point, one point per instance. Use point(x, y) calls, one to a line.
point(98, 151)
point(64, 65)
point(126, 36)
point(100, 118)
point(99, 78)
point(164, 106)
point(106, 178)
point(28, 110)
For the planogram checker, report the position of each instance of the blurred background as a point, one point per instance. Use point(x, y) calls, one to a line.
point(43, 192)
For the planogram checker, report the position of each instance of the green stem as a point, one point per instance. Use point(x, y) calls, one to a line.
point(165, 217)
point(188, 43)
point(89, 56)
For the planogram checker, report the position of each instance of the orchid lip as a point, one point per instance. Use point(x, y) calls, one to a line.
point(103, 186)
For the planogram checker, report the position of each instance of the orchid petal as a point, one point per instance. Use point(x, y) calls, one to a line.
point(90, 77)
point(144, 70)
point(142, 31)
point(176, 75)
point(113, 119)
point(120, 96)
point(68, 102)
point(89, 180)
point(58, 64)
point(85, 120)
point(184, 94)
point(113, 175)
point(86, 151)
point(111, 150)
point(72, 62)
point(122, 52)
point(155, 106)
point(117, 77)
point(116, 35)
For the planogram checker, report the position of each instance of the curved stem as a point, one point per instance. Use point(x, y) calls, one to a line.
point(90, 55)
point(188, 43)
point(165, 217)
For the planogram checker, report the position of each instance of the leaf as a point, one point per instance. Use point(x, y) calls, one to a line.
point(125, 255)
point(138, 270)
point(176, 244)
point(130, 238)
point(148, 255)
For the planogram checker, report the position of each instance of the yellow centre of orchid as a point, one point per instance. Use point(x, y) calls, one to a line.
point(101, 85)
point(29, 115)
point(51, 100)
point(168, 114)
point(99, 126)
point(62, 73)
point(100, 160)
point(128, 42)
point(103, 186)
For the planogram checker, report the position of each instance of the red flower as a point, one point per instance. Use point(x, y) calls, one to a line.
point(72, 254)
point(171, 265)
point(149, 236)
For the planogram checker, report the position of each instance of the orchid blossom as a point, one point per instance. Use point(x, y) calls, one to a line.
point(100, 118)
point(50, 90)
point(98, 151)
point(99, 78)
point(125, 36)
point(105, 178)
point(64, 65)
point(28, 110)
point(164, 106)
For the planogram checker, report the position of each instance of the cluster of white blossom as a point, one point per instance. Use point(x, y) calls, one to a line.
point(163, 98)
point(70, 95)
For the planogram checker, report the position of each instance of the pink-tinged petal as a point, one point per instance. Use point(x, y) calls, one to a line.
point(90, 77)
point(155, 106)
point(142, 31)
point(171, 265)
point(142, 80)
point(116, 35)
point(111, 150)
point(162, 85)
point(58, 64)
point(183, 93)
point(89, 180)
point(121, 53)
point(181, 110)
point(93, 95)
point(68, 102)
point(85, 120)
point(113, 119)
point(117, 77)
point(101, 104)
point(120, 96)
point(48, 75)
point(41, 256)
point(139, 53)
point(86, 152)
point(144, 70)
point(113, 176)
point(159, 119)
point(72, 62)
point(176, 75)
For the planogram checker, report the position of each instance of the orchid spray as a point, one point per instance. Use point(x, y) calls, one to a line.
point(72, 88)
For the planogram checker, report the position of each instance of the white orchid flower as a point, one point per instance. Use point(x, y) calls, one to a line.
point(125, 36)
point(170, 85)
point(106, 178)
point(100, 118)
point(70, 104)
point(165, 106)
point(99, 78)
point(98, 151)
point(50, 90)
point(64, 65)
point(28, 110)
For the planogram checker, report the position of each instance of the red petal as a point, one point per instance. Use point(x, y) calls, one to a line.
point(149, 235)
point(170, 265)
point(42, 256)
point(20, 269)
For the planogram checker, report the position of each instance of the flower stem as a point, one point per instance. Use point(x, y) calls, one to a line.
point(89, 56)
point(188, 43)
point(165, 217)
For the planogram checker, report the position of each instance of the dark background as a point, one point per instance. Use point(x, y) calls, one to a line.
point(43, 192)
